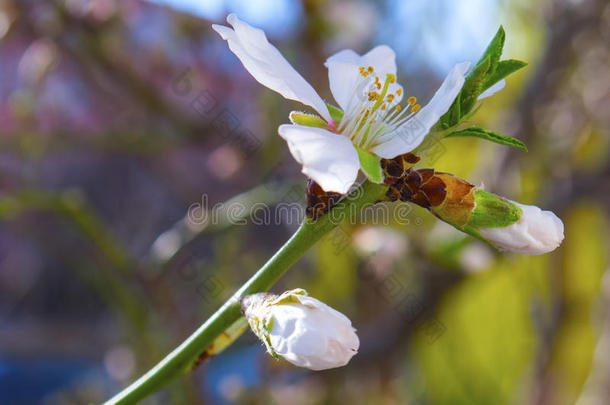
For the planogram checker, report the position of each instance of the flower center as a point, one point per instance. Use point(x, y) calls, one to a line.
point(373, 109)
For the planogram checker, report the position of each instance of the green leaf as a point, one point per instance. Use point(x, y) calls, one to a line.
point(335, 113)
point(502, 69)
point(481, 77)
point(473, 86)
point(307, 120)
point(492, 211)
point(489, 136)
point(494, 49)
point(370, 165)
point(452, 117)
point(467, 97)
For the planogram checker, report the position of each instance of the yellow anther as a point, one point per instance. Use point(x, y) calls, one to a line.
point(378, 85)
point(412, 100)
point(398, 92)
point(391, 77)
point(415, 108)
point(370, 69)
point(384, 106)
point(373, 95)
point(398, 108)
point(390, 98)
point(363, 71)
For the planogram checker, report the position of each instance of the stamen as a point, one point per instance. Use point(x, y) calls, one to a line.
point(371, 114)
point(377, 83)
point(404, 118)
point(358, 134)
point(396, 119)
point(379, 100)
point(364, 72)
point(388, 80)
point(390, 116)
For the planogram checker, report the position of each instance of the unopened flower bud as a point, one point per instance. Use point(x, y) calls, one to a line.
point(503, 223)
point(511, 226)
point(301, 329)
point(536, 232)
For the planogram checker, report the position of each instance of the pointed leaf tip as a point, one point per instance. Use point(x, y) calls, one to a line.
point(489, 136)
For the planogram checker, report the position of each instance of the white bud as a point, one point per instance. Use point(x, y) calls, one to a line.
point(304, 331)
point(536, 232)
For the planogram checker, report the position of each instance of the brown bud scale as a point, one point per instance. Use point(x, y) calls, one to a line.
point(318, 200)
point(427, 188)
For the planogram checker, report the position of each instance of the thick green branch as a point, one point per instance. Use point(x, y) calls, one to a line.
point(182, 359)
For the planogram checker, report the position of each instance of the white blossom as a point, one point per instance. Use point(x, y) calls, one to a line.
point(304, 331)
point(365, 88)
point(536, 232)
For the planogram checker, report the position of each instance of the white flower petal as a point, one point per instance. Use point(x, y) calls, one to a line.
point(314, 303)
point(492, 90)
point(328, 158)
point(344, 80)
point(267, 65)
point(312, 336)
point(382, 58)
point(535, 233)
point(344, 76)
point(409, 135)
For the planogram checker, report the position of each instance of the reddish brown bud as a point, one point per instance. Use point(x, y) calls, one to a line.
point(395, 168)
point(459, 203)
point(448, 197)
point(318, 200)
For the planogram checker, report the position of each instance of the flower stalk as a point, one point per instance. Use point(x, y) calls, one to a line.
point(188, 354)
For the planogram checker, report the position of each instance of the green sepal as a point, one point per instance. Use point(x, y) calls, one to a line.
point(289, 297)
point(266, 339)
point(492, 211)
point(489, 136)
point(335, 113)
point(308, 120)
point(370, 165)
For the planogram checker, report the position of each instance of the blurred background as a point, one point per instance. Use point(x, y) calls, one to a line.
point(117, 118)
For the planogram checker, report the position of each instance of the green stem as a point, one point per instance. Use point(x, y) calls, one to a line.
point(182, 359)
